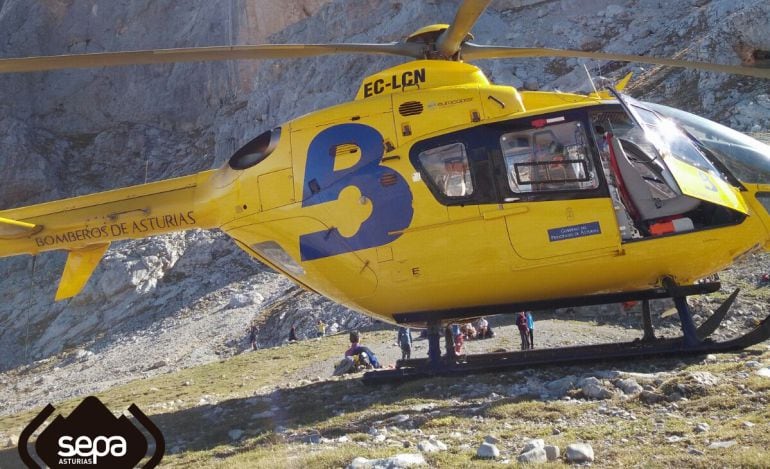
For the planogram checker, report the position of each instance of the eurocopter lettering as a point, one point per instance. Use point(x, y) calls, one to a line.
point(436, 196)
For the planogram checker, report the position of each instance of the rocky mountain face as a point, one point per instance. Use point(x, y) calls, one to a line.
point(74, 132)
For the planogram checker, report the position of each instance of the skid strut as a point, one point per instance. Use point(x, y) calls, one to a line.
point(649, 333)
point(694, 341)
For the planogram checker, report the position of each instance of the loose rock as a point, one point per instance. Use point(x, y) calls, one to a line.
point(594, 389)
point(426, 446)
point(533, 444)
point(722, 444)
point(394, 462)
point(488, 451)
point(579, 453)
point(628, 386)
point(535, 455)
point(552, 453)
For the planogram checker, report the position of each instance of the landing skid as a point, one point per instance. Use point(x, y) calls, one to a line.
point(694, 341)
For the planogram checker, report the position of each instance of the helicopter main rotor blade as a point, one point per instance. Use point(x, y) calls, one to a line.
point(200, 54)
point(476, 52)
point(450, 40)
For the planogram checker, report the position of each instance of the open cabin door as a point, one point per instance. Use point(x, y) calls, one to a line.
point(659, 179)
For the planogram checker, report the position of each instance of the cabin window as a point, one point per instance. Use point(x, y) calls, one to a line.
point(256, 150)
point(548, 158)
point(448, 169)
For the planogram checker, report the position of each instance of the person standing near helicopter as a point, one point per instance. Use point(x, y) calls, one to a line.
point(253, 333)
point(531, 327)
point(521, 322)
point(405, 342)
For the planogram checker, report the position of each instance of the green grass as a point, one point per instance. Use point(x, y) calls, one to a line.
point(243, 387)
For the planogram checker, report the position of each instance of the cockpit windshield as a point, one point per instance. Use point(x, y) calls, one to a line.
point(748, 159)
point(673, 166)
point(667, 139)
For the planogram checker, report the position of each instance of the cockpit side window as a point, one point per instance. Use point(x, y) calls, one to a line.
point(448, 169)
point(548, 158)
point(747, 158)
point(537, 158)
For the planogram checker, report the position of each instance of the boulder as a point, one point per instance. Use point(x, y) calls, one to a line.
point(552, 453)
point(579, 453)
point(535, 455)
point(488, 451)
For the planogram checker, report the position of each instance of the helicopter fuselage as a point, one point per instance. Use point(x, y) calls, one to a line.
point(345, 206)
point(429, 192)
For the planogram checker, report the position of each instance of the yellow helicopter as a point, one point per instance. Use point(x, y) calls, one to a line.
point(436, 196)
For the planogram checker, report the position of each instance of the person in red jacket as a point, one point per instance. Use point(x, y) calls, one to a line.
point(521, 321)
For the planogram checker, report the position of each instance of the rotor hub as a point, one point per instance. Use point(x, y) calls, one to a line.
point(428, 37)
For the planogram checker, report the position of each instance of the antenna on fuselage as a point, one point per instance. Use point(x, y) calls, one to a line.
point(590, 78)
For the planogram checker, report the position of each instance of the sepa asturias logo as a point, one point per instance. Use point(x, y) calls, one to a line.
point(91, 437)
point(86, 450)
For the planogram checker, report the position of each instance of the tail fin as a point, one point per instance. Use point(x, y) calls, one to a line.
point(85, 226)
point(78, 269)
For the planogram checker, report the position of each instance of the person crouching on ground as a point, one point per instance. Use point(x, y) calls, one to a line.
point(357, 350)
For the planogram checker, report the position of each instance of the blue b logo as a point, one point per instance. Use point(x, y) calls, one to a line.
point(391, 202)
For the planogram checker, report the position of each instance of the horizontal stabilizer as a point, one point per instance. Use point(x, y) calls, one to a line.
point(80, 265)
point(12, 229)
point(621, 85)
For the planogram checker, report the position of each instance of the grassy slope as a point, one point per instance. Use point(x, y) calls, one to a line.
point(197, 407)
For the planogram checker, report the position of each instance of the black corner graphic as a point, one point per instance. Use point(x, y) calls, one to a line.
point(28, 431)
point(160, 443)
point(91, 437)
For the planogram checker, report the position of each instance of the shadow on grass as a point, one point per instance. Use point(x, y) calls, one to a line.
point(9, 458)
point(335, 408)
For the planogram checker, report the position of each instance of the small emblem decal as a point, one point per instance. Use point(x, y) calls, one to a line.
point(574, 231)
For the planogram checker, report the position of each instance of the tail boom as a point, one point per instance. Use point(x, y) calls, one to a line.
point(85, 226)
point(97, 219)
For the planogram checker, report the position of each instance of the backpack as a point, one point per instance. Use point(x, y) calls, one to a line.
point(371, 357)
point(362, 360)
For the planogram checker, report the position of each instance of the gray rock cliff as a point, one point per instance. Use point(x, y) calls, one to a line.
point(74, 132)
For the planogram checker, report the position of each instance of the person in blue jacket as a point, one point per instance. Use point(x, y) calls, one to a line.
point(531, 327)
point(405, 341)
